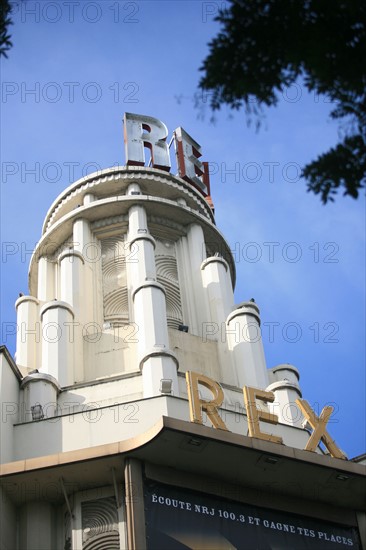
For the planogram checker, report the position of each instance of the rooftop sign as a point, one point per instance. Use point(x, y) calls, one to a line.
point(254, 414)
point(142, 132)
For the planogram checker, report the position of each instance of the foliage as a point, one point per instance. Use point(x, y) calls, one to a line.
point(264, 46)
point(5, 22)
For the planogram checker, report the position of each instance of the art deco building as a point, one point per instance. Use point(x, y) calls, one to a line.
point(139, 411)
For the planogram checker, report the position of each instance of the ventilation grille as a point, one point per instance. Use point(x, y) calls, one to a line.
point(167, 275)
point(100, 524)
point(115, 297)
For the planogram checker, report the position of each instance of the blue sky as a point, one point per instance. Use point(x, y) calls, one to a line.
point(304, 263)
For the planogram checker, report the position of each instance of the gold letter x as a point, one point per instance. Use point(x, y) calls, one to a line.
point(319, 427)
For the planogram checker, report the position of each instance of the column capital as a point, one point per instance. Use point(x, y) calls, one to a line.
point(24, 299)
point(158, 351)
point(143, 237)
point(40, 377)
point(56, 304)
point(70, 252)
point(283, 385)
point(148, 284)
point(245, 308)
point(214, 259)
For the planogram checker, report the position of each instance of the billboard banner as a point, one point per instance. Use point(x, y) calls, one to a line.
point(181, 519)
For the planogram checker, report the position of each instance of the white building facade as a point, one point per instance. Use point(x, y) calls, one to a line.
point(134, 367)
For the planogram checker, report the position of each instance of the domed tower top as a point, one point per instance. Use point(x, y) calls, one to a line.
point(132, 276)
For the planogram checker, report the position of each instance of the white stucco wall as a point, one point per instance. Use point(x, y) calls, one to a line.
point(9, 401)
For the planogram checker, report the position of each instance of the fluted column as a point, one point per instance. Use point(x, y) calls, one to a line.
point(156, 360)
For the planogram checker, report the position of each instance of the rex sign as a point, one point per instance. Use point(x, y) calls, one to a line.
point(197, 406)
point(142, 131)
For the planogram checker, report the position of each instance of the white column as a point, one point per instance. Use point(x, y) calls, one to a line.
point(218, 287)
point(58, 341)
point(82, 236)
point(39, 390)
point(286, 390)
point(29, 331)
point(71, 281)
point(88, 198)
point(156, 360)
point(72, 291)
point(196, 254)
point(46, 279)
point(86, 246)
point(245, 341)
point(90, 253)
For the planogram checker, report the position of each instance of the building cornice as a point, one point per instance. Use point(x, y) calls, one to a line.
point(168, 443)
